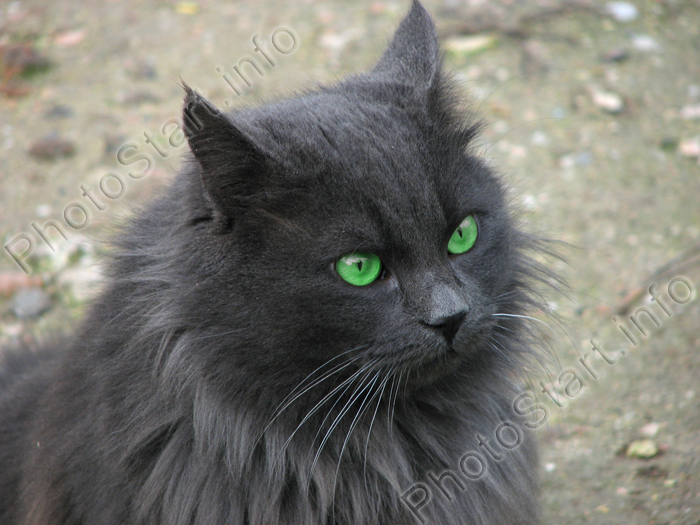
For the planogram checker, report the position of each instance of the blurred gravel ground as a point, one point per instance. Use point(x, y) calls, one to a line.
point(593, 112)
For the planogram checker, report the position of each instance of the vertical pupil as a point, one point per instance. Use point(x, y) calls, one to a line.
point(459, 231)
point(359, 266)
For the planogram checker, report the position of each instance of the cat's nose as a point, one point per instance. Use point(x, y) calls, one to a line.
point(447, 308)
point(449, 325)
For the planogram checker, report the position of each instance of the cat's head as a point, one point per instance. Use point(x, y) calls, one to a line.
point(350, 225)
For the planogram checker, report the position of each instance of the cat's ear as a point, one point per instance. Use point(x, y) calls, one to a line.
point(230, 162)
point(413, 56)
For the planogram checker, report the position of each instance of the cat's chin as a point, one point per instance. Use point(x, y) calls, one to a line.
point(440, 361)
point(429, 371)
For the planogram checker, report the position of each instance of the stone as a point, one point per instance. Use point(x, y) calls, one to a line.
point(642, 449)
point(622, 11)
point(52, 147)
point(608, 101)
point(30, 302)
point(469, 45)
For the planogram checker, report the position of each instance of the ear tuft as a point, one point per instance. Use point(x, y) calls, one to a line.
point(413, 56)
point(230, 163)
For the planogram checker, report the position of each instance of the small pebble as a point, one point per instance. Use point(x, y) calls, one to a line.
point(670, 483)
point(558, 112)
point(70, 38)
point(622, 11)
point(529, 202)
point(469, 45)
point(645, 43)
point(608, 101)
point(14, 89)
point(337, 42)
point(690, 112)
point(642, 449)
point(52, 147)
point(187, 8)
point(13, 330)
point(567, 161)
point(59, 111)
point(540, 139)
point(616, 55)
point(11, 282)
point(689, 147)
point(649, 430)
point(30, 302)
point(43, 211)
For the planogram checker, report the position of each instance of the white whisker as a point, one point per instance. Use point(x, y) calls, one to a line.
point(374, 416)
point(318, 405)
point(360, 411)
point(358, 392)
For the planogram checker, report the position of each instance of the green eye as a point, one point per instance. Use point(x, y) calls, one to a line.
point(359, 268)
point(464, 236)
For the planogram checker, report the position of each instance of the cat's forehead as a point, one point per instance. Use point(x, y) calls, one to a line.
point(347, 144)
point(327, 129)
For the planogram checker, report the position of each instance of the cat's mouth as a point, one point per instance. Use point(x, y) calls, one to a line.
point(442, 364)
point(430, 369)
point(440, 356)
point(430, 363)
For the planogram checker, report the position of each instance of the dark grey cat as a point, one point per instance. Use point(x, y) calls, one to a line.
point(318, 323)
